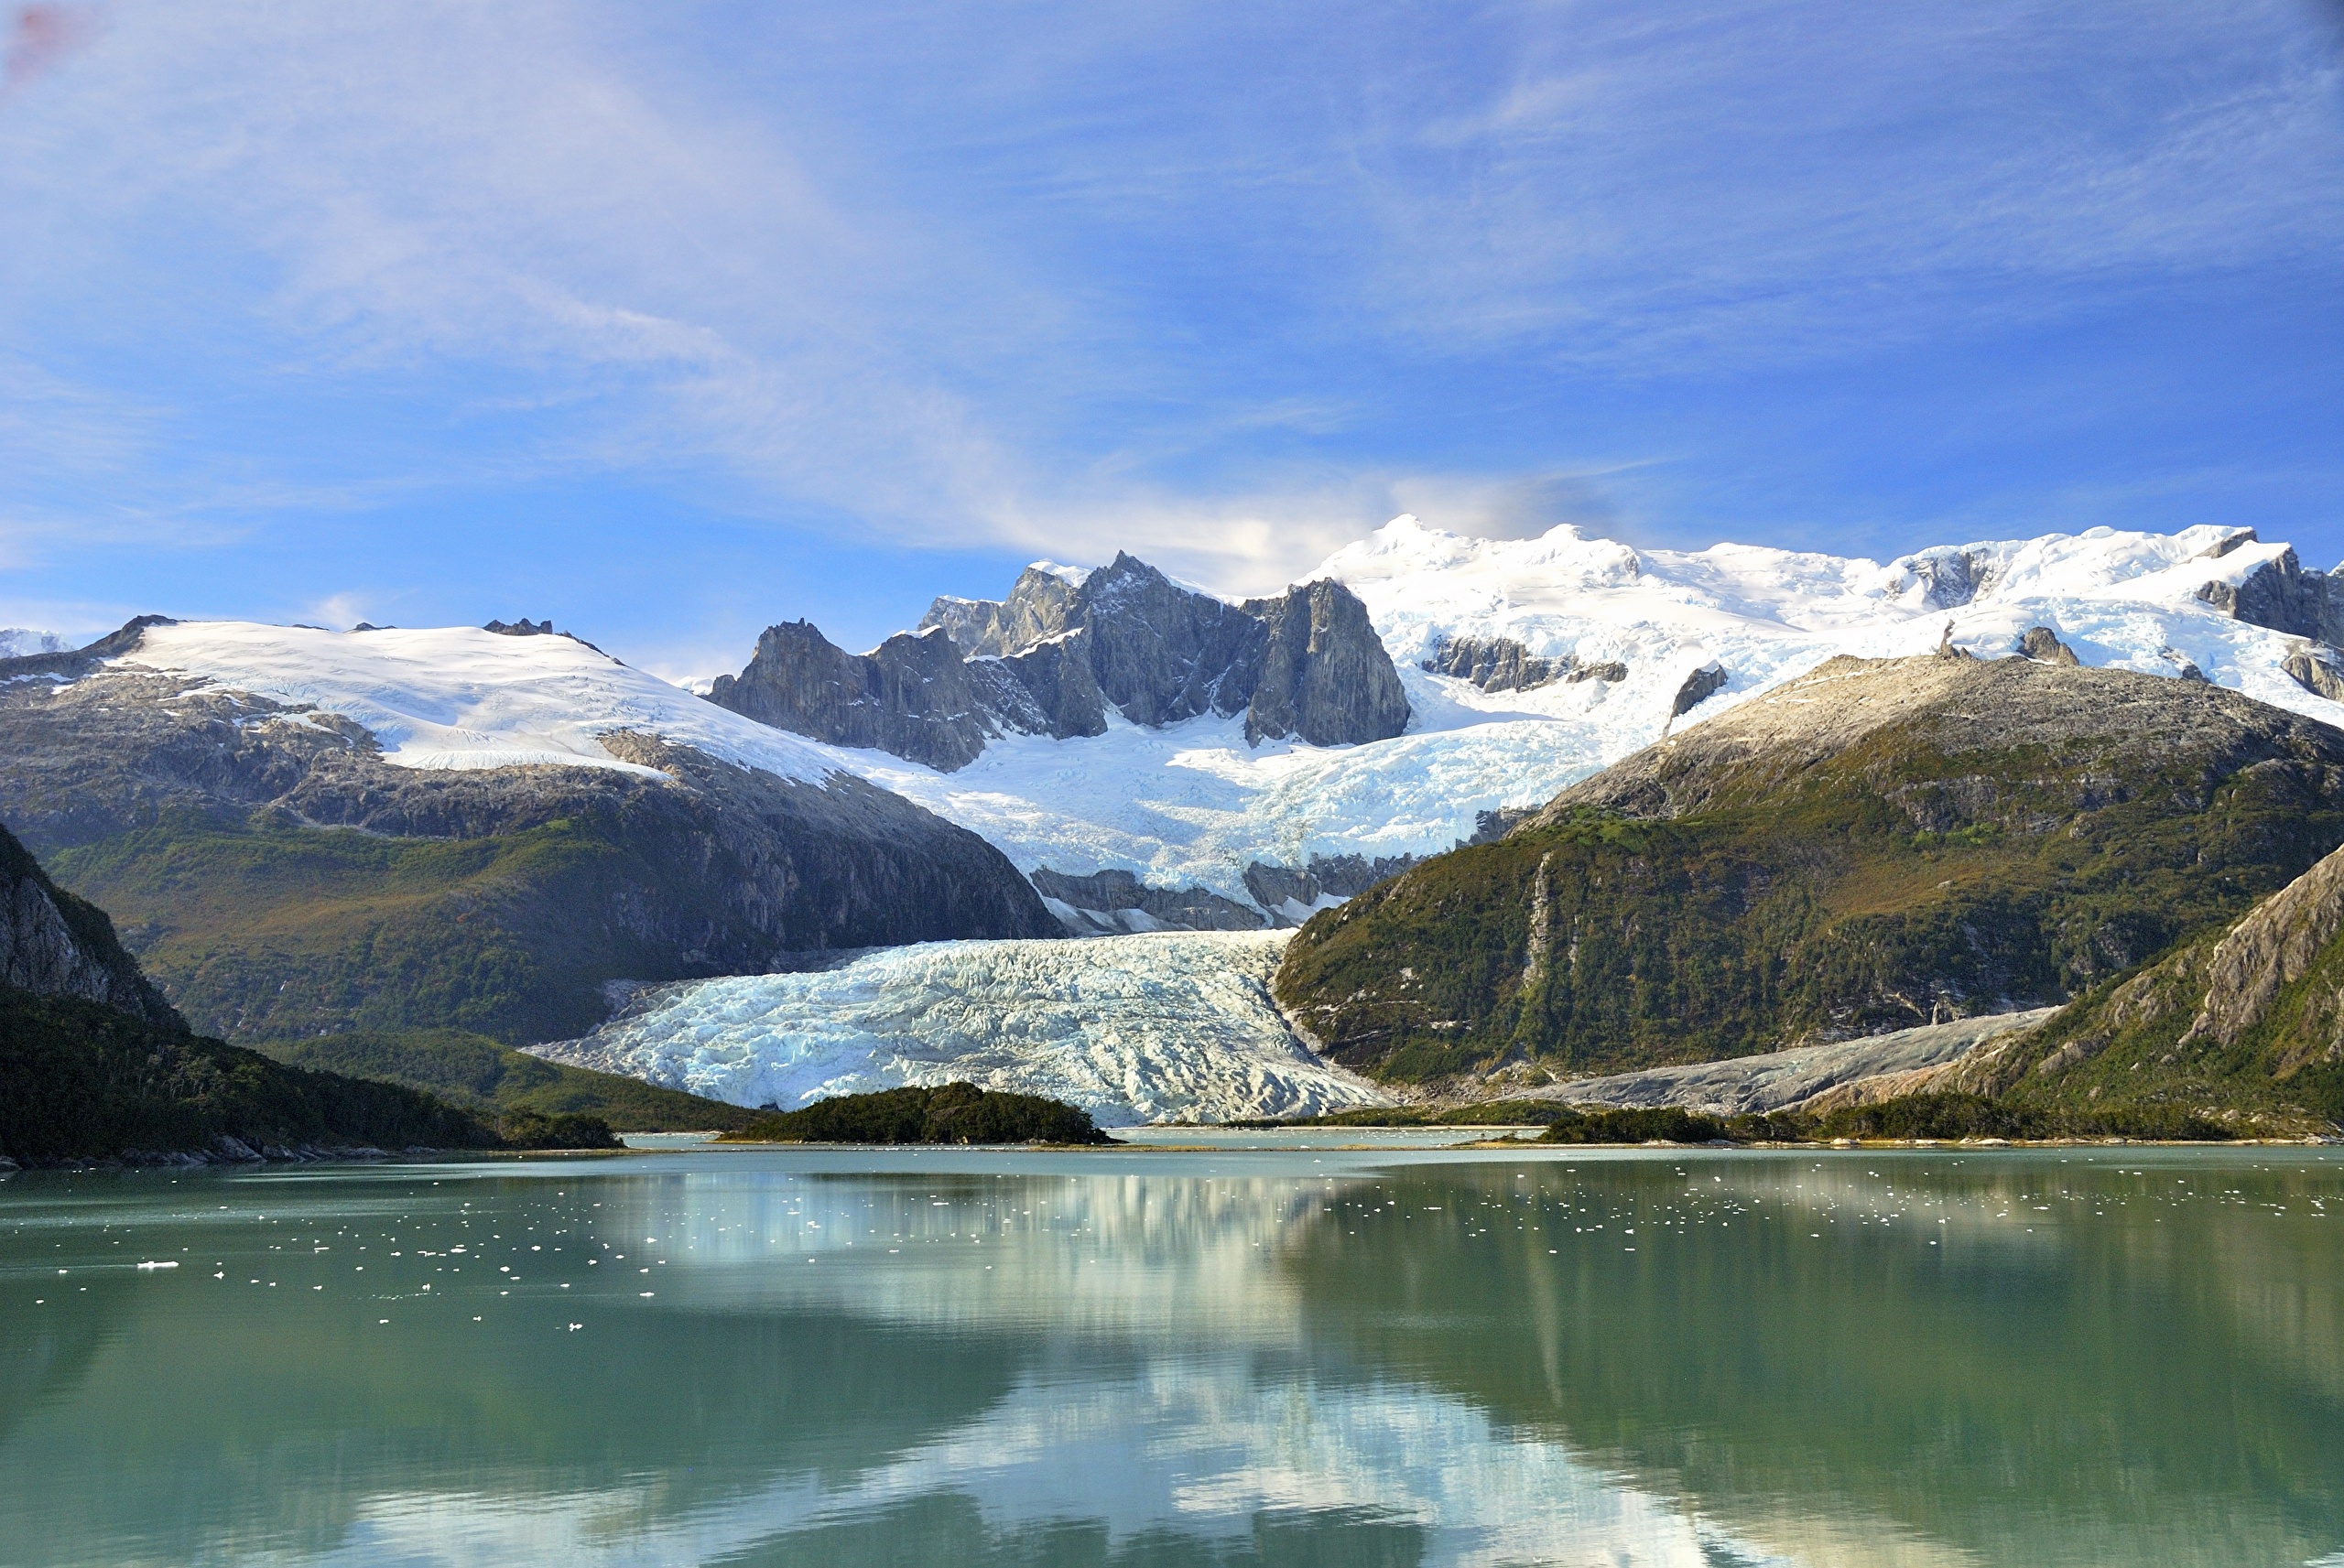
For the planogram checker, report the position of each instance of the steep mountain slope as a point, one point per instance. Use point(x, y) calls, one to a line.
point(93, 1064)
point(2248, 1018)
point(477, 1073)
point(1874, 845)
point(307, 831)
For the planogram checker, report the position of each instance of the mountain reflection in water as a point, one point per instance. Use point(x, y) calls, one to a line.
point(2083, 1356)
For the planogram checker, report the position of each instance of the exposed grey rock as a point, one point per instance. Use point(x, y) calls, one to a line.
point(2283, 596)
point(2042, 644)
point(1782, 1079)
point(1106, 893)
point(1163, 652)
point(910, 696)
point(1489, 826)
point(974, 624)
point(1040, 605)
point(1325, 678)
point(1608, 670)
point(53, 944)
point(1306, 663)
point(2224, 545)
point(711, 868)
point(1055, 674)
point(524, 627)
point(1495, 663)
point(1339, 876)
point(1699, 688)
point(1950, 577)
point(2314, 675)
point(2273, 947)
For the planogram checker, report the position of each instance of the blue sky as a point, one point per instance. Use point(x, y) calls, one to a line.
point(672, 321)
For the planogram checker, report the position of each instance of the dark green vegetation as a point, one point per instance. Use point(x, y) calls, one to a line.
point(1634, 1124)
point(279, 880)
point(93, 1064)
point(1975, 1116)
point(84, 1081)
point(476, 1073)
point(953, 1113)
point(272, 932)
point(1920, 1116)
point(1874, 846)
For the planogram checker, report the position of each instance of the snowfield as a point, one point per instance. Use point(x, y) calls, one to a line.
point(1176, 1026)
point(455, 697)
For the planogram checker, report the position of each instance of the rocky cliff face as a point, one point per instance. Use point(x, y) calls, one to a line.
point(53, 944)
point(1061, 650)
point(1324, 676)
point(910, 696)
point(2284, 596)
point(501, 900)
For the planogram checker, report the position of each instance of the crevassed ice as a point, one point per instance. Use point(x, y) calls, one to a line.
point(1172, 1026)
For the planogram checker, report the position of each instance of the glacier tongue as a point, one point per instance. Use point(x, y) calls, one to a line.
point(1173, 1026)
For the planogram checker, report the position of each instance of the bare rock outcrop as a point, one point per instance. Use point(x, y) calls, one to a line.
point(1065, 647)
point(53, 944)
point(2273, 947)
point(1324, 676)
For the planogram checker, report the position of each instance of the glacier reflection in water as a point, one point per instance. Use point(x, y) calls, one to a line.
point(2110, 1357)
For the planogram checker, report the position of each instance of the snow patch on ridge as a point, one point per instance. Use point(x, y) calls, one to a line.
point(459, 697)
point(1169, 1027)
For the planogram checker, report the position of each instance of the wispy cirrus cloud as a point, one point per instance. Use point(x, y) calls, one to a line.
point(1224, 288)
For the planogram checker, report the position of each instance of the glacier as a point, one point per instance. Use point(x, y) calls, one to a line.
point(1171, 1026)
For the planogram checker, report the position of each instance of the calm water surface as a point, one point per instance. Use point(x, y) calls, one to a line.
point(1157, 1357)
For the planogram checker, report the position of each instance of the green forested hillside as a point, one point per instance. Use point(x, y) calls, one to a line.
point(81, 1079)
point(264, 932)
point(479, 1073)
point(1880, 845)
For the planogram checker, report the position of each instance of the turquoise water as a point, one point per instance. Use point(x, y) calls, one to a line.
point(1140, 1356)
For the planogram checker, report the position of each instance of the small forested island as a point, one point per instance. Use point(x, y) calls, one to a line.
point(949, 1113)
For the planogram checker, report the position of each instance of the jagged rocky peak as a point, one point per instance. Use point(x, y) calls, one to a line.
point(1324, 676)
point(2280, 594)
point(1040, 605)
point(1065, 647)
point(910, 696)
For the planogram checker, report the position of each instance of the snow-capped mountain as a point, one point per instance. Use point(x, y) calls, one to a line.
point(1586, 651)
point(1525, 664)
